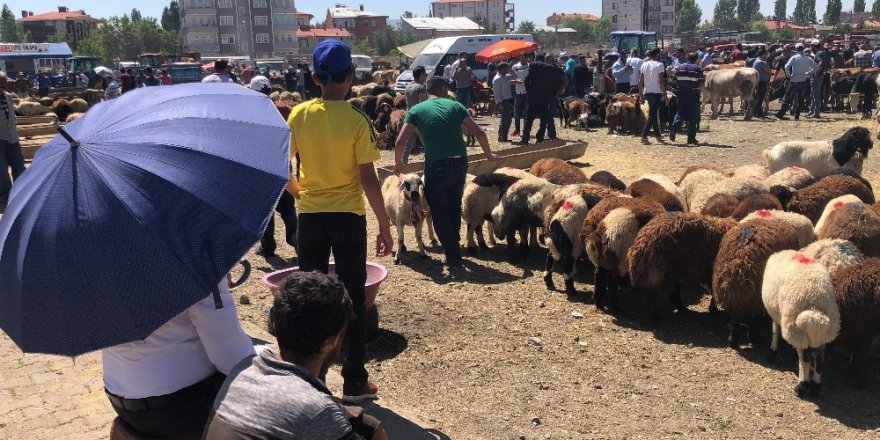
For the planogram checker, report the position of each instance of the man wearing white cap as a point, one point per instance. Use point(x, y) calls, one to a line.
point(823, 62)
point(797, 70)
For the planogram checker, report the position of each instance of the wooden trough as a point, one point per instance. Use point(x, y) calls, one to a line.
point(518, 157)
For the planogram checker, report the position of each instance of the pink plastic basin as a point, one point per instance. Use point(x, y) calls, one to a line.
point(376, 273)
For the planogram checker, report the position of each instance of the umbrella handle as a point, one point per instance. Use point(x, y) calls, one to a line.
point(73, 142)
point(246, 266)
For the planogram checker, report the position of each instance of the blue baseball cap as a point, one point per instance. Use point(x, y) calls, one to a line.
point(330, 58)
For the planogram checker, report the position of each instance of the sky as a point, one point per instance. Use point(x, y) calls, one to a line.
point(533, 10)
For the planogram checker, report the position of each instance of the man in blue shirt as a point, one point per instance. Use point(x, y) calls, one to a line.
point(797, 69)
point(43, 84)
point(760, 65)
point(688, 77)
point(622, 74)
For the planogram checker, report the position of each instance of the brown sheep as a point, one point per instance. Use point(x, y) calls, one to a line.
point(854, 222)
point(707, 166)
point(578, 112)
point(811, 200)
point(739, 271)
point(605, 178)
point(62, 109)
point(400, 102)
point(558, 171)
point(651, 190)
point(755, 202)
point(623, 116)
point(657, 264)
point(720, 205)
point(857, 291)
point(384, 98)
point(357, 103)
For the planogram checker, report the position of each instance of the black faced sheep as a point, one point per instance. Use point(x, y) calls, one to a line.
point(755, 202)
point(854, 222)
point(857, 289)
point(481, 195)
point(561, 238)
point(648, 189)
point(521, 208)
point(605, 178)
point(720, 205)
point(61, 108)
point(799, 297)
point(801, 224)
point(811, 200)
point(558, 172)
point(607, 232)
point(820, 157)
point(404, 204)
point(657, 264)
point(739, 269)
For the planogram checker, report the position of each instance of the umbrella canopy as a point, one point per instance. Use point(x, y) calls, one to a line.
point(413, 49)
point(105, 72)
point(505, 49)
point(136, 212)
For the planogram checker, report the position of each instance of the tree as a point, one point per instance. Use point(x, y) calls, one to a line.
point(136, 15)
point(389, 39)
point(780, 9)
point(548, 40)
point(121, 38)
point(725, 15)
point(12, 31)
point(875, 9)
point(526, 27)
point(746, 10)
point(832, 12)
point(171, 17)
point(689, 16)
point(803, 14)
point(859, 6)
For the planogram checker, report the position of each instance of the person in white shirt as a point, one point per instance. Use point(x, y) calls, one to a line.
point(503, 94)
point(652, 88)
point(221, 73)
point(520, 71)
point(449, 69)
point(635, 61)
point(164, 386)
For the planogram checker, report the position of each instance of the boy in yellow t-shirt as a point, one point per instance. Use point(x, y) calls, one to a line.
point(337, 148)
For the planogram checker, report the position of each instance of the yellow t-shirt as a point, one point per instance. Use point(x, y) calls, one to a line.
point(332, 139)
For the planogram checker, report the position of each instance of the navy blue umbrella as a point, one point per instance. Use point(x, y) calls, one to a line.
point(136, 212)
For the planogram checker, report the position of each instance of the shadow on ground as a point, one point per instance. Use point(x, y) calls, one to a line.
point(400, 427)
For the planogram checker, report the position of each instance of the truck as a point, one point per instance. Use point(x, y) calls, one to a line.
point(85, 64)
point(181, 72)
point(624, 41)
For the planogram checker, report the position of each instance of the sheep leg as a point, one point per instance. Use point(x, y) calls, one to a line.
point(400, 247)
point(774, 343)
point(652, 308)
point(733, 326)
point(471, 231)
point(810, 371)
point(511, 246)
point(548, 272)
point(491, 235)
point(713, 307)
point(675, 298)
point(600, 287)
point(419, 240)
point(524, 244)
point(432, 238)
point(755, 326)
point(534, 243)
point(714, 102)
point(568, 274)
point(614, 294)
point(481, 241)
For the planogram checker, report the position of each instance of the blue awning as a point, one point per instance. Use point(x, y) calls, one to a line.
point(56, 50)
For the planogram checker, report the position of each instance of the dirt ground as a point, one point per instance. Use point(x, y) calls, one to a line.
point(491, 354)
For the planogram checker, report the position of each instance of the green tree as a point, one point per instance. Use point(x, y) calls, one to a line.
point(583, 28)
point(547, 40)
point(389, 39)
point(875, 9)
point(725, 15)
point(121, 38)
point(602, 29)
point(526, 27)
point(171, 17)
point(11, 30)
point(689, 16)
point(859, 6)
point(780, 8)
point(747, 10)
point(136, 15)
point(832, 12)
point(799, 15)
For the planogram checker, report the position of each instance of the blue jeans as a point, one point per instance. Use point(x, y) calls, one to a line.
point(688, 110)
point(519, 108)
point(444, 187)
point(795, 91)
point(464, 96)
point(816, 94)
point(10, 157)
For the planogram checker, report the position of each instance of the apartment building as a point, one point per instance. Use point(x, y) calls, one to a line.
point(257, 28)
point(494, 15)
point(72, 26)
point(557, 19)
point(358, 22)
point(648, 15)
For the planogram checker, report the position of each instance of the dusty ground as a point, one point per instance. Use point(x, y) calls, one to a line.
point(457, 351)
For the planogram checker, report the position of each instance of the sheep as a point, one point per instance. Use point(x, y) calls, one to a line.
point(854, 222)
point(720, 205)
point(558, 171)
point(791, 177)
point(667, 184)
point(851, 173)
point(695, 168)
point(275, 96)
point(72, 117)
point(801, 224)
point(79, 105)
point(385, 98)
point(753, 171)
point(657, 264)
point(650, 190)
point(400, 102)
point(739, 187)
point(605, 178)
point(799, 297)
point(835, 254)
point(30, 108)
point(623, 116)
point(783, 194)
point(357, 103)
point(697, 179)
point(739, 268)
point(833, 204)
point(481, 195)
point(470, 138)
point(521, 208)
point(820, 157)
point(857, 291)
point(607, 232)
point(811, 200)
point(591, 192)
point(403, 203)
point(61, 108)
point(365, 90)
point(755, 202)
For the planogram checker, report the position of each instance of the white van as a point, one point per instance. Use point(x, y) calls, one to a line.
point(437, 53)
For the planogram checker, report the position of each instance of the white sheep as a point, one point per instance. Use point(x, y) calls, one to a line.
point(833, 204)
point(31, 108)
point(799, 297)
point(78, 105)
point(698, 179)
point(791, 177)
point(820, 157)
point(835, 254)
point(481, 194)
point(739, 187)
point(751, 171)
point(404, 197)
point(801, 224)
point(563, 242)
point(521, 207)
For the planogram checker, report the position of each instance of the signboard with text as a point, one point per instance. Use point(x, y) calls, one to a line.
point(24, 47)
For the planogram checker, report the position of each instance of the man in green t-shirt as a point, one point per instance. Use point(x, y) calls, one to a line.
point(439, 121)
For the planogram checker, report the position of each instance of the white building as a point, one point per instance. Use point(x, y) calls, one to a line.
point(637, 15)
point(435, 27)
point(497, 14)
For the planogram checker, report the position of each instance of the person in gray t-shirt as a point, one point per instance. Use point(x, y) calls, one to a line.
point(416, 92)
point(279, 395)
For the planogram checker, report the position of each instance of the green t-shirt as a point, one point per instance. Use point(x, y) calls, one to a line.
point(439, 123)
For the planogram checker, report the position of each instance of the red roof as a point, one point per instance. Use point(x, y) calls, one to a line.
point(588, 17)
point(322, 33)
point(775, 25)
point(49, 16)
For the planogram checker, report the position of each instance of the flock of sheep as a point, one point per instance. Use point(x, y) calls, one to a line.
point(65, 110)
point(797, 238)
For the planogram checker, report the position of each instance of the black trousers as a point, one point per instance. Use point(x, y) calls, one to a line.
point(287, 208)
point(622, 87)
point(655, 100)
point(760, 94)
point(181, 414)
point(506, 118)
point(345, 235)
point(537, 108)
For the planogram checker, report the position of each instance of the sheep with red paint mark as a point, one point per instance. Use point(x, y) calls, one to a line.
point(801, 224)
point(857, 223)
point(811, 200)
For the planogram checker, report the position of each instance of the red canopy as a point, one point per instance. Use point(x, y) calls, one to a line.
point(505, 49)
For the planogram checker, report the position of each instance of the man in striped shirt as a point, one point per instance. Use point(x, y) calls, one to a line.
point(862, 58)
point(688, 76)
